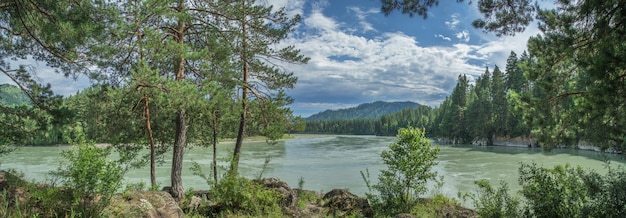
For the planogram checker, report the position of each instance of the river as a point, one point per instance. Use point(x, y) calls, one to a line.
point(327, 162)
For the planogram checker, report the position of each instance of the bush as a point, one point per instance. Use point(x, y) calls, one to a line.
point(562, 191)
point(238, 195)
point(90, 177)
point(566, 191)
point(409, 162)
point(492, 202)
point(558, 192)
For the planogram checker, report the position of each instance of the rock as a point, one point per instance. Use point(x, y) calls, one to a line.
point(193, 204)
point(343, 203)
point(290, 204)
point(144, 204)
point(290, 195)
point(405, 215)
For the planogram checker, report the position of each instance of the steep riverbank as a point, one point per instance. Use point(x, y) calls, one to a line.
point(529, 142)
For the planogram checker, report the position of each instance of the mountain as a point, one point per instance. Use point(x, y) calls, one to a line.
point(363, 111)
point(11, 95)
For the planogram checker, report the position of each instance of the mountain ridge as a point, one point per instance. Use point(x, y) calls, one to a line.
point(372, 110)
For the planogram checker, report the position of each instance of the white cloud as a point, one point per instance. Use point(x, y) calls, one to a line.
point(362, 15)
point(317, 20)
point(497, 49)
point(292, 7)
point(463, 36)
point(443, 37)
point(453, 22)
point(392, 66)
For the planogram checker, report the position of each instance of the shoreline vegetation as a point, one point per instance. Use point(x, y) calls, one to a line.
point(234, 196)
point(86, 192)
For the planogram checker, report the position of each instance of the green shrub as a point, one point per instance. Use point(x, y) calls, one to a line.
point(607, 193)
point(409, 162)
point(434, 207)
point(562, 191)
point(565, 191)
point(91, 178)
point(558, 192)
point(238, 195)
point(490, 202)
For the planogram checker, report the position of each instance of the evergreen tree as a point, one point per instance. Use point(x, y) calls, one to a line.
point(480, 122)
point(455, 117)
point(499, 102)
point(516, 85)
point(43, 31)
point(259, 30)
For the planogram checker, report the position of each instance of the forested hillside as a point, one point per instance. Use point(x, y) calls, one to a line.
point(11, 95)
point(363, 111)
point(511, 103)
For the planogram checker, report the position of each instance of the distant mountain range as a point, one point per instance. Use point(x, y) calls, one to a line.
point(11, 95)
point(363, 111)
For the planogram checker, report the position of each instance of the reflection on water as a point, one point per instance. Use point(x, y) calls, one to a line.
point(328, 162)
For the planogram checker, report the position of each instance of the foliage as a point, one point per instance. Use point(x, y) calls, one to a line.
point(437, 206)
point(562, 191)
point(240, 196)
point(20, 198)
point(11, 95)
point(557, 192)
point(490, 202)
point(91, 178)
point(409, 161)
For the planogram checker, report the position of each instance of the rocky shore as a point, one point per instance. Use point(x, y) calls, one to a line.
point(160, 204)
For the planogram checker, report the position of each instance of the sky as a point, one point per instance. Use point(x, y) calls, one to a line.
point(358, 55)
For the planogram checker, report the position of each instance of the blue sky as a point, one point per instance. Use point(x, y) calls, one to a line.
point(358, 55)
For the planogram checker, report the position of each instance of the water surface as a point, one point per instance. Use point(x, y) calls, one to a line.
point(328, 162)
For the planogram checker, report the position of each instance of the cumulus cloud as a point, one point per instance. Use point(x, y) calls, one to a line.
point(443, 37)
point(390, 66)
point(463, 36)
point(453, 22)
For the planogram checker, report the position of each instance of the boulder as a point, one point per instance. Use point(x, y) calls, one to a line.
point(290, 195)
point(343, 203)
point(144, 204)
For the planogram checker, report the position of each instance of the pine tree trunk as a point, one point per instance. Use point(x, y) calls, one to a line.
point(177, 159)
point(181, 126)
point(242, 125)
point(215, 146)
point(244, 97)
point(151, 138)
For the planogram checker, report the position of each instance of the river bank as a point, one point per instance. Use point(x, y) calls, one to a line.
point(529, 142)
point(289, 202)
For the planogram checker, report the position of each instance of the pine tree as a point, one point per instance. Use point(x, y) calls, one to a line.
point(480, 110)
point(499, 102)
point(259, 30)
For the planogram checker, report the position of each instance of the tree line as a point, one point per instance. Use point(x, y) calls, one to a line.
point(525, 100)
